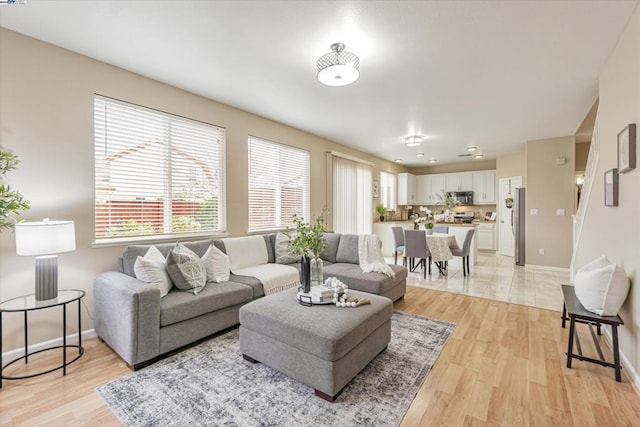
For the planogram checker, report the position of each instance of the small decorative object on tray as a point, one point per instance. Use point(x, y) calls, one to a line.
point(340, 297)
point(317, 295)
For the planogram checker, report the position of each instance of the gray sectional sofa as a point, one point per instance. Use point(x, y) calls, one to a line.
point(140, 326)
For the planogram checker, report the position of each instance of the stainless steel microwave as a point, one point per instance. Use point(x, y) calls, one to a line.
point(464, 197)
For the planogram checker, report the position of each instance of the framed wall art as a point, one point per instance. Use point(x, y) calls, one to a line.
point(627, 149)
point(611, 187)
point(376, 188)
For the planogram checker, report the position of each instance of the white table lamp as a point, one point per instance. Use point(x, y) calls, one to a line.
point(45, 239)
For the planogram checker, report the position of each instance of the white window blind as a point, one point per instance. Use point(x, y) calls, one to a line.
point(352, 196)
point(156, 173)
point(278, 184)
point(388, 190)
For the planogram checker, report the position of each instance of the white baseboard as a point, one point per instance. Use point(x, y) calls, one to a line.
point(545, 267)
point(626, 363)
point(12, 355)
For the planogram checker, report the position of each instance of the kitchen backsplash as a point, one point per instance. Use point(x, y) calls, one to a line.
point(479, 211)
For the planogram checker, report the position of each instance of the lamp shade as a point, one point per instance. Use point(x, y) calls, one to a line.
point(45, 237)
point(339, 67)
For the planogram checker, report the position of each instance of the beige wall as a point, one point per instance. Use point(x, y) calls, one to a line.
point(511, 165)
point(46, 117)
point(477, 165)
point(549, 187)
point(582, 153)
point(615, 231)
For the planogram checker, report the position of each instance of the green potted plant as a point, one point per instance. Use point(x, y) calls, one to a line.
point(447, 200)
point(11, 201)
point(508, 202)
point(382, 211)
point(308, 242)
point(429, 226)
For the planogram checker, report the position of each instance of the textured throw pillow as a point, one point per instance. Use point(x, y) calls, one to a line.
point(284, 255)
point(186, 269)
point(601, 286)
point(152, 269)
point(216, 264)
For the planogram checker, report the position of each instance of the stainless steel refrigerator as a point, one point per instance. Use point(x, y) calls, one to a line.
point(518, 215)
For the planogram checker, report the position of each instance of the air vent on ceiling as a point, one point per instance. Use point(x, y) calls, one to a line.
point(465, 155)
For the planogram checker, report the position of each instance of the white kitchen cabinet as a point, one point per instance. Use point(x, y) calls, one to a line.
point(460, 181)
point(406, 189)
point(486, 236)
point(484, 187)
point(423, 189)
point(436, 187)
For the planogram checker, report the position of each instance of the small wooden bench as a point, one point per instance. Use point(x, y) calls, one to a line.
point(578, 314)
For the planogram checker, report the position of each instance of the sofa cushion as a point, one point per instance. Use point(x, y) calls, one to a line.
point(152, 268)
point(216, 263)
point(332, 240)
point(252, 282)
point(270, 241)
point(178, 306)
point(284, 254)
point(132, 252)
point(348, 249)
point(374, 283)
point(186, 269)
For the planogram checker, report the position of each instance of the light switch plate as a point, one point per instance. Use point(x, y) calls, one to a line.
point(560, 212)
point(533, 212)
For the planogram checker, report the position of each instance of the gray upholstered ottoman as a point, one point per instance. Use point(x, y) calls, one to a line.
point(322, 346)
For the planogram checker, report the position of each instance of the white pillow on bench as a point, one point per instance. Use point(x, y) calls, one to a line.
point(601, 286)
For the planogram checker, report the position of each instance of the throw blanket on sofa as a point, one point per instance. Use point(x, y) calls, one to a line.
point(370, 255)
point(248, 256)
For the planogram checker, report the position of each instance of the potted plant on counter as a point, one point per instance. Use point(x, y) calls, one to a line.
point(382, 211)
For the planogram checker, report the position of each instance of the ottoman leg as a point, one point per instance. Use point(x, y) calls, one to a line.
point(326, 396)
point(249, 359)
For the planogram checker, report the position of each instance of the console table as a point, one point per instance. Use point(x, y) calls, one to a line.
point(578, 314)
point(27, 303)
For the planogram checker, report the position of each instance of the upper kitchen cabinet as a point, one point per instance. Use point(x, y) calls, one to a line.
point(484, 187)
point(462, 181)
point(407, 189)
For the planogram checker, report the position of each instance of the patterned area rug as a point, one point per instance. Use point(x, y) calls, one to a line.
point(211, 384)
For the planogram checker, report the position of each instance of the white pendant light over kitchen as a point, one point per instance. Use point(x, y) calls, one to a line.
point(338, 68)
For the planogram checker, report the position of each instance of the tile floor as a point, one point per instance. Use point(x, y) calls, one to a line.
point(497, 277)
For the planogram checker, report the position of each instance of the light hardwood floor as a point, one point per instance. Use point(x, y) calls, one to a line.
point(504, 365)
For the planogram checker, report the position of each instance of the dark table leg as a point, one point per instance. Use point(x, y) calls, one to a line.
point(79, 328)
point(616, 352)
point(564, 315)
point(1, 349)
point(64, 339)
point(26, 340)
point(572, 330)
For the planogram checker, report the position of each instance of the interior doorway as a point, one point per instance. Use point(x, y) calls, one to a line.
point(506, 228)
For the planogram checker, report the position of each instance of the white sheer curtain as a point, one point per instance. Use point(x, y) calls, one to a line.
point(351, 205)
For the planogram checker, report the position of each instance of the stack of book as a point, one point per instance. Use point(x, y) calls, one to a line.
point(319, 295)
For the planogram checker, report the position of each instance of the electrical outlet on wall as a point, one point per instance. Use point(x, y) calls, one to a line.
point(540, 251)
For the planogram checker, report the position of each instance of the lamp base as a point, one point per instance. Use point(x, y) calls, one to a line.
point(46, 277)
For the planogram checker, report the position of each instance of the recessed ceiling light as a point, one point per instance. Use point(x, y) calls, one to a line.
point(432, 160)
point(413, 141)
point(472, 148)
point(479, 156)
point(420, 154)
point(398, 160)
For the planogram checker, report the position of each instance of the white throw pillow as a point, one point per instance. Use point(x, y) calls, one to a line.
point(284, 255)
point(216, 263)
point(186, 269)
point(601, 286)
point(152, 269)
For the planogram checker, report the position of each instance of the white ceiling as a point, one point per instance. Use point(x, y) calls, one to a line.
point(488, 73)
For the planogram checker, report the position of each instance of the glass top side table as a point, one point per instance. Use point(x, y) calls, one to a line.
point(25, 304)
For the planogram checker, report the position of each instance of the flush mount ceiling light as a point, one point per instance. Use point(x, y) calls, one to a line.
point(398, 160)
point(338, 68)
point(479, 156)
point(432, 160)
point(472, 148)
point(420, 155)
point(413, 141)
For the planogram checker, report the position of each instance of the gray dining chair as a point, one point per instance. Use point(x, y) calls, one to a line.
point(398, 243)
point(464, 252)
point(441, 229)
point(415, 243)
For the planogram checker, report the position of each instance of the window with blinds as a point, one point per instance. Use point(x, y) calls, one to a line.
point(388, 190)
point(278, 184)
point(156, 173)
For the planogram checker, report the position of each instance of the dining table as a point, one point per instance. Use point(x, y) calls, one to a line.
point(440, 245)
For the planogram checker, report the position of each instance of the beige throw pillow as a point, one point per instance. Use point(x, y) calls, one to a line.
point(152, 269)
point(284, 255)
point(186, 269)
point(216, 264)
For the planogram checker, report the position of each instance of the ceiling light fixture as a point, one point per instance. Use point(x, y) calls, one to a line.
point(472, 148)
point(479, 156)
point(432, 160)
point(398, 160)
point(420, 155)
point(338, 68)
point(413, 141)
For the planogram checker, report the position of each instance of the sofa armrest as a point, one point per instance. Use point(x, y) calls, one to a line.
point(127, 316)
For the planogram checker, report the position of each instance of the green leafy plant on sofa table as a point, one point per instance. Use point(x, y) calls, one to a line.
point(11, 201)
point(308, 238)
